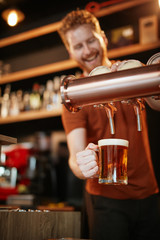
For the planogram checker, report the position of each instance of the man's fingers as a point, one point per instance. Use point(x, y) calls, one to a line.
point(91, 173)
point(88, 156)
point(88, 167)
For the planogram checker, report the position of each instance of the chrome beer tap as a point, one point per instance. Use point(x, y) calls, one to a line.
point(129, 86)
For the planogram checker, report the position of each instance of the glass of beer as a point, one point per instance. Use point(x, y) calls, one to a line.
point(113, 161)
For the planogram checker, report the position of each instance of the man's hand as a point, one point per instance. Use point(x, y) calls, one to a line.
point(87, 161)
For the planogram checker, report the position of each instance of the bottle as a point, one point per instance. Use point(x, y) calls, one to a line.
point(26, 101)
point(13, 106)
point(35, 100)
point(56, 88)
point(19, 95)
point(48, 96)
point(5, 101)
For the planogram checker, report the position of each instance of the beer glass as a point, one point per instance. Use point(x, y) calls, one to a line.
point(113, 161)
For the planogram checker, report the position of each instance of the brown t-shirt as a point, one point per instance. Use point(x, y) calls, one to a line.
point(141, 179)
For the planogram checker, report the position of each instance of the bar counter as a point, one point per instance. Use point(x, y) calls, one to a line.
point(39, 225)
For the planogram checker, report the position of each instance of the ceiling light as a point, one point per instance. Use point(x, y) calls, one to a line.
point(12, 16)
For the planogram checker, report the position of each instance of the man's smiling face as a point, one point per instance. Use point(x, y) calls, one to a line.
point(87, 47)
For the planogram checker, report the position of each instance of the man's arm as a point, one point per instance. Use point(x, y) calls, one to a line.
point(76, 141)
point(154, 104)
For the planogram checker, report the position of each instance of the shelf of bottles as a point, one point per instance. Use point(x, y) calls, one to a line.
point(43, 101)
point(31, 115)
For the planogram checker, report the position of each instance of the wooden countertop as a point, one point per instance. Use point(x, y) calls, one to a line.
point(40, 225)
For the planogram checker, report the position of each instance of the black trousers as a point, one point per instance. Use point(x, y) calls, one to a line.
point(112, 219)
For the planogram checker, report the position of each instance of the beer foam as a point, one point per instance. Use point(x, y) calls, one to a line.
point(113, 141)
point(99, 70)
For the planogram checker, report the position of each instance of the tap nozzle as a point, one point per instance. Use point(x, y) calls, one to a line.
point(110, 110)
point(138, 108)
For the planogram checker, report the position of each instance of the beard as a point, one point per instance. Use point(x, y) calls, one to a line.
point(93, 60)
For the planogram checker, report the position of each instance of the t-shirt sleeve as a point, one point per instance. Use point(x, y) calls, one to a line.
point(72, 121)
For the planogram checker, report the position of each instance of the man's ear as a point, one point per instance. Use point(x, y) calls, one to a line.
point(104, 37)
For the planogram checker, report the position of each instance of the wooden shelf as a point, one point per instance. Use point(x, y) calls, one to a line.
point(38, 71)
point(132, 49)
point(120, 7)
point(31, 115)
point(37, 32)
point(69, 64)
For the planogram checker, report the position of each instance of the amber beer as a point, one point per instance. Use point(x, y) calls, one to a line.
point(113, 161)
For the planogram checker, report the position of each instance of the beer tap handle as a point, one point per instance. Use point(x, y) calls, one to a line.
point(138, 115)
point(110, 110)
point(138, 107)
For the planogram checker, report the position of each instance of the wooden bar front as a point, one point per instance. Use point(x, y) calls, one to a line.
point(39, 225)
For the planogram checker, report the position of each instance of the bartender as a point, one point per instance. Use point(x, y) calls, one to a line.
point(114, 212)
